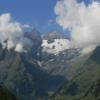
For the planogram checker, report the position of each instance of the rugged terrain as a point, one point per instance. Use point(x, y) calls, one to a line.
point(85, 85)
point(48, 69)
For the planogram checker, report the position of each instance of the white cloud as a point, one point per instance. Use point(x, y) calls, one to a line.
point(11, 32)
point(19, 47)
point(83, 22)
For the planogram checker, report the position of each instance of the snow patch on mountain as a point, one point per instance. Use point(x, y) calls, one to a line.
point(55, 47)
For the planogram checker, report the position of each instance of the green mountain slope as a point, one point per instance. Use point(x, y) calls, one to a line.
point(85, 85)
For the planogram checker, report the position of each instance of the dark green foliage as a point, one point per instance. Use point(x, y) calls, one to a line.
point(5, 94)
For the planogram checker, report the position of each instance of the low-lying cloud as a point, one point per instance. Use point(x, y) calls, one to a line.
point(83, 21)
point(11, 33)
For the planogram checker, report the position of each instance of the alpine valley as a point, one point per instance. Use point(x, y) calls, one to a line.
point(49, 70)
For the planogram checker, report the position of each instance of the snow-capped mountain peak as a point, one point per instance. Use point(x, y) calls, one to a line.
point(55, 47)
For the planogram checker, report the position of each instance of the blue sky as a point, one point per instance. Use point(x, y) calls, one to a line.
point(38, 13)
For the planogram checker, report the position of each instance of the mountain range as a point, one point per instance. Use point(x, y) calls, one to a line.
point(49, 70)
